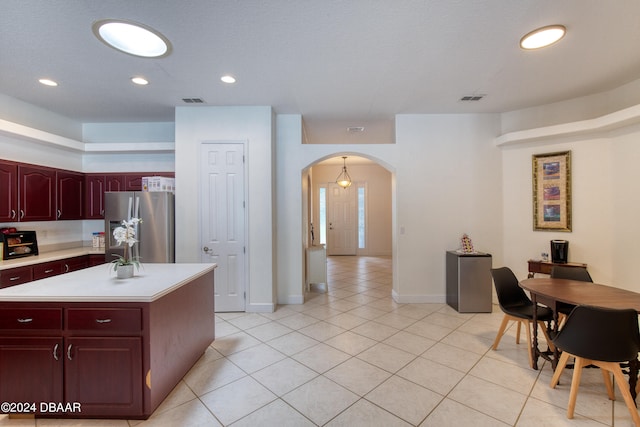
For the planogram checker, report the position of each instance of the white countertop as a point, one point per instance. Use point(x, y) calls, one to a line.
point(99, 284)
point(49, 256)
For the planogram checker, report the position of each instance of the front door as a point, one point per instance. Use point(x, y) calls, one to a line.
point(342, 220)
point(222, 221)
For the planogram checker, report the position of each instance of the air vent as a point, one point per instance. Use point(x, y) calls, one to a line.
point(354, 129)
point(193, 100)
point(472, 98)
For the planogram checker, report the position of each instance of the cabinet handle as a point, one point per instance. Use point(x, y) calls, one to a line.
point(66, 268)
point(103, 320)
point(13, 214)
point(25, 320)
point(21, 214)
point(55, 352)
point(59, 213)
point(49, 270)
point(69, 352)
point(14, 278)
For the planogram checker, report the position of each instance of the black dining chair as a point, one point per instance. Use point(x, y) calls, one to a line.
point(517, 307)
point(571, 273)
point(602, 337)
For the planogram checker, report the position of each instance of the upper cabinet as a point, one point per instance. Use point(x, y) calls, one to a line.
point(36, 193)
point(8, 192)
point(70, 190)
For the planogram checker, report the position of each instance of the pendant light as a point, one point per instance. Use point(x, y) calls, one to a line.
point(344, 180)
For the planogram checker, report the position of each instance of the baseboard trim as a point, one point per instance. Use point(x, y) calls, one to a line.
point(418, 299)
point(261, 308)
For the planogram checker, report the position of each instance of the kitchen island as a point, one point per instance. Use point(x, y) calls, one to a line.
point(88, 345)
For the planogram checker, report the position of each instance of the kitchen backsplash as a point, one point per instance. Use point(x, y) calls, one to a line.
point(58, 235)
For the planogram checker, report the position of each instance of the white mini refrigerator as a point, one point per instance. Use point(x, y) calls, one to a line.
point(469, 282)
point(156, 236)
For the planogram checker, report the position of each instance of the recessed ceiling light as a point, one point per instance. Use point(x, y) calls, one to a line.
point(228, 79)
point(542, 37)
point(140, 81)
point(132, 38)
point(48, 82)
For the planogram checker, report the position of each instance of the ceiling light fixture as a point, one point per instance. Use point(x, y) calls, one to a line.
point(140, 81)
point(228, 79)
point(542, 37)
point(48, 82)
point(344, 180)
point(132, 38)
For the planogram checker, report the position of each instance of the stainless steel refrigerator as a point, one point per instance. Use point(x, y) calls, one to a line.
point(156, 236)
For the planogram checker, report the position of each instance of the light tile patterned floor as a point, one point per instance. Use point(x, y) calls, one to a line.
point(353, 357)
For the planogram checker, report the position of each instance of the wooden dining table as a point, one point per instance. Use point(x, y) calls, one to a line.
point(550, 292)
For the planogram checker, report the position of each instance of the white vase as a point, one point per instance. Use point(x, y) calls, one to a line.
point(125, 271)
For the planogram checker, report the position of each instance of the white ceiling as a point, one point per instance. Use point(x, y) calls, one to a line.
point(338, 63)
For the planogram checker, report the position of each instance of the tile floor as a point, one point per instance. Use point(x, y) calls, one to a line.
point(353, 357)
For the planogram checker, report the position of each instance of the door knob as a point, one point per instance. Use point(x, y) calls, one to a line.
point(206, 249)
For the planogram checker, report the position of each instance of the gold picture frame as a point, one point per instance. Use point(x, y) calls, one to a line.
point(552, 191)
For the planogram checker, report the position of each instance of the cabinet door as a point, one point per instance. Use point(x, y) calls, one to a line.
point(94, 196)
point(70, 191)
point(31, 369)
point(105, 375)
point(115, 183)
point(37, 193)
point(75, 263)
point(133, 182)
point(8, 192)
point(96, 260)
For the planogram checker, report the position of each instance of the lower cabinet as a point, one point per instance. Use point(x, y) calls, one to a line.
point(31, 369)
point(20, 275)
point(87, 375)
point(15, 276)
point(103, 375)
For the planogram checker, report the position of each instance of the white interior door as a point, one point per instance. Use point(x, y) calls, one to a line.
point(222, 221)
point(342, 220)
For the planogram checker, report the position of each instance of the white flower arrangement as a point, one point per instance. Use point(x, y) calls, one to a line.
point(126, 234)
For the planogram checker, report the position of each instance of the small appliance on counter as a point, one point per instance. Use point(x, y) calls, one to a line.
point(16, 244)
point(559, 251)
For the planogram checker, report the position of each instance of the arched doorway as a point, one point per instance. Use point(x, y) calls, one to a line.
point(372, 208)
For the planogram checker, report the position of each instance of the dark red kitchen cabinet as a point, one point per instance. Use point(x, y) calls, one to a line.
point(94, 196)
point(75, 263)
point(70, 191)
point(15, 276)
point(104, 374)
point(47, 269)
point(31, 369)
point(115, 183)
point(133, 182)
point(37, 193)
point(8, 192)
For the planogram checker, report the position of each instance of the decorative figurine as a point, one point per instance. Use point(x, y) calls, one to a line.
point(466, 246)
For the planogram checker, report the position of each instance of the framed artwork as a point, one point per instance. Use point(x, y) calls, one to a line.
point(552, 191)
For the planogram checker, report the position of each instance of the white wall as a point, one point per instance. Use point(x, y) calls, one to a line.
point(605, 208)
point(446, 181)
point(449, 182)
point(254, 126)
point(378, 201)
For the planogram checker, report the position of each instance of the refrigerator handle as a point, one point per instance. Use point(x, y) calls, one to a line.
point(130, 209)
point(136, 210)
point(136, 214)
